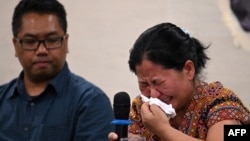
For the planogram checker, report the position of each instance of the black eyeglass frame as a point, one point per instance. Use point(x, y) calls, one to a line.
point(43, 42)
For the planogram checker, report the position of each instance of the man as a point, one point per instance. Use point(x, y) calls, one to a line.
point(47, 101)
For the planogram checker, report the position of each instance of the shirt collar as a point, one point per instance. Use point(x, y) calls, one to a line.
point(16, 83)
point(59, 82)
point(61, 79)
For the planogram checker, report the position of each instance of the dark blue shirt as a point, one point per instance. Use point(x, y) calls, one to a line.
point(69, 109)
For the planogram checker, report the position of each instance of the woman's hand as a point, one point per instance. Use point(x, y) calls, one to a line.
point(112, 136)
point(154, 118)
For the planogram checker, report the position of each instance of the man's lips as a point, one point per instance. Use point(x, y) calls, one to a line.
point(41, 63)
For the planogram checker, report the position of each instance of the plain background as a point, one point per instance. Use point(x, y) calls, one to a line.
point(102, 32)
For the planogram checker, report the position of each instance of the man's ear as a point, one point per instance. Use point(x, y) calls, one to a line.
point(66, 42)
point(14, 41)
point(189, 69)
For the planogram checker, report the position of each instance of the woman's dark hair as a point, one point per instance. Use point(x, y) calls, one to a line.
point(41, 7)
point(168, 45)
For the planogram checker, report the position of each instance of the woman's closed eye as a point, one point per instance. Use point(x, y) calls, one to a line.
point(143, 84)
point(157, 82)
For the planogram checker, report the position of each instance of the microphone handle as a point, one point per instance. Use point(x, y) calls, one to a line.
point(122, 131)
point(121, 127)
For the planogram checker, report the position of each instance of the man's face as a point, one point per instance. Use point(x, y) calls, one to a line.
point(41, 64)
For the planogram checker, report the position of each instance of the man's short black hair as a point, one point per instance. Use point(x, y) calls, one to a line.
point(41, 7)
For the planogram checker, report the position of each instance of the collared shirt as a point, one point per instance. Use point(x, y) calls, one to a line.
point(69, 109)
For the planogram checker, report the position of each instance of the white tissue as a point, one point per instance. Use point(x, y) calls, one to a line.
point(167, 108)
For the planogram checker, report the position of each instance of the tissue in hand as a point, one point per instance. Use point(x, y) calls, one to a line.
point(168, 109)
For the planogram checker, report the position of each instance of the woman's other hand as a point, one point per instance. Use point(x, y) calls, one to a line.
point(112, 136)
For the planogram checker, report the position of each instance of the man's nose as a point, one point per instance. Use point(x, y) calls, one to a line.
point(41, 46)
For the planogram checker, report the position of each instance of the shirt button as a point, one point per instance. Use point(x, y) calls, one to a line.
point(25, 129)
point(32, 104)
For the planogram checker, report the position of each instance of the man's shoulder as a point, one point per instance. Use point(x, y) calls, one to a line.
point(8, 84)
point(80, 81)
point(7, 87)
point(85, 91)
point(83, 85)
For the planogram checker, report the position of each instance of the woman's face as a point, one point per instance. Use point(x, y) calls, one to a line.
point(169, 85)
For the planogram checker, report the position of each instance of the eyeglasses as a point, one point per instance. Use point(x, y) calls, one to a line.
point(33, 44)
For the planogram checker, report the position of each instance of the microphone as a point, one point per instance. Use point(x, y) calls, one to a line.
point(121, 106)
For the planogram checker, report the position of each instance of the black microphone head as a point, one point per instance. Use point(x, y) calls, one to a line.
point(121, 105)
